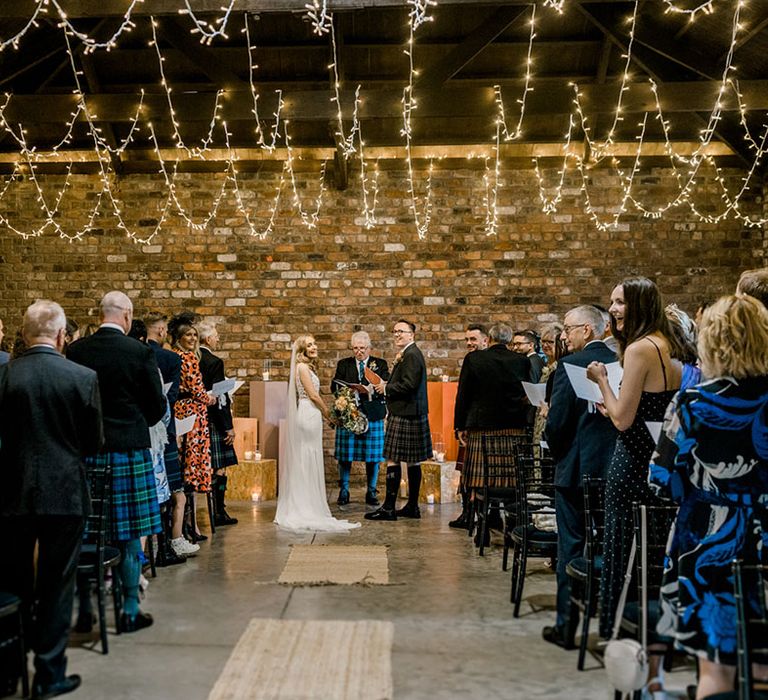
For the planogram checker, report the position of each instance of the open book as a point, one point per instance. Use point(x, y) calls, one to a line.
point(359, 388)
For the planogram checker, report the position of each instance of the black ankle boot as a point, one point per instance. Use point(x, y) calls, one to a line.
point(462, 522)
point(220, 515)
point(387, 511)
point(343, 498)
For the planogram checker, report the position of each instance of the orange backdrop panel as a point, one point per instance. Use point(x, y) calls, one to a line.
point(442, 398)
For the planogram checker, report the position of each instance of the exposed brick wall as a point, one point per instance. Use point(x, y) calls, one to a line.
point(341, 277)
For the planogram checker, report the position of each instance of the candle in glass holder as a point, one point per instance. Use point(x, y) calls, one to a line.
point(265, 375)
point(256, 496)
point(431, 498)
point(257, 456)
point(403, 491)
point(445, 377)
point(248, 455)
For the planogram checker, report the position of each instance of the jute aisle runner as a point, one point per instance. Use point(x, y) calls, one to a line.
point(320, 565)
point(303, 659)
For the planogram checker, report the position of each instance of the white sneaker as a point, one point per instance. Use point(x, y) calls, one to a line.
point(184, 548)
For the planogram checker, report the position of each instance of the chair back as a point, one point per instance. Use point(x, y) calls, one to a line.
point(594, 518)
point(750, 583)
point(535, 487)
point(652, 527)
point(100, 489)
point(499, 461)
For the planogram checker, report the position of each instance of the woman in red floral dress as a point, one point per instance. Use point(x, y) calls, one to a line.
point(195, 451)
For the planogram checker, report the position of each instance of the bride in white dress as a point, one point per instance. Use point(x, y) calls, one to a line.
point(302, 503)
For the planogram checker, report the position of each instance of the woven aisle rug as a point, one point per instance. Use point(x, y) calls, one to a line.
point(303, 659)
point(322, 565)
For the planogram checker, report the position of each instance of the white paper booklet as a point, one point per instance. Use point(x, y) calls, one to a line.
point(536, 393)
point(166, 387)
point(654, 428)
point(184, 425)
point(587, 389)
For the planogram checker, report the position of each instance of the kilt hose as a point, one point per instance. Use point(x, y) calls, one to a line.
point(408, 439)
point(135, 511)
point(366, 447)
point(504, 442)
point(222, 455)
point(173, 466)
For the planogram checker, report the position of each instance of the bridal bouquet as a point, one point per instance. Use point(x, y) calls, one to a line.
point(347, 414)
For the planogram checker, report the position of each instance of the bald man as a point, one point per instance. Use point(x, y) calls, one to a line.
point(132, 400)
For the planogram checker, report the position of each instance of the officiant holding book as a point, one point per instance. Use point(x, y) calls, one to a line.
point(358, 372)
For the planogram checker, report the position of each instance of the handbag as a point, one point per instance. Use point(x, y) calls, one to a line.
point(626, 660)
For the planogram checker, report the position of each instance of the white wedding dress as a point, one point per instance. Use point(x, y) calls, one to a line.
point(302, 503)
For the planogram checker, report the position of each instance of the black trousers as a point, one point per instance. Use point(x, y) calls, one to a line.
point(571, 538)
point(47, 596)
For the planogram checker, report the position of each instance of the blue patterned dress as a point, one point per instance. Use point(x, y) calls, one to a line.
point(712, 459)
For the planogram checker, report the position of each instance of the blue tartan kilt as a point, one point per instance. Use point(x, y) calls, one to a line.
point(222, 455)
point(368, 447)
point(135, 511)
point(408, 439)
point(173, 466)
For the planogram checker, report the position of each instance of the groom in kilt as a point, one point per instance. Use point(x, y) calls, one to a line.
point(407, 436)
point(368, 447)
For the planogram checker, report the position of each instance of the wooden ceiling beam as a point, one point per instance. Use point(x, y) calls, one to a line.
point(483, 35)
point(116, 8)
point(315, 105)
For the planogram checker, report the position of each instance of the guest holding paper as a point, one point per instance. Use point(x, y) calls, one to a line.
point(553, 347)
point(193, 401)
point(367, 447)
point(491, 404)
point(651, 378)
point(219, 422)
point(581, 442)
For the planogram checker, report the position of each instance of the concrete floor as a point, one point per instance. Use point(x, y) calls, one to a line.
point(454, 631)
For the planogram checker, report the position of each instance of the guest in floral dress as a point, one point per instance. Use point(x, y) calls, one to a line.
point(712, 459)
point(195, 451)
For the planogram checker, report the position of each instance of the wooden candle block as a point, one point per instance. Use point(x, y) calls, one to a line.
point(251, 477)
point(438, 479)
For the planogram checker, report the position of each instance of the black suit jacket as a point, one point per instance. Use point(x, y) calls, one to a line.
point(131, 393)
point(212, 369)
point(375, 406)
point(490, 394)
point(50, 418)
point(169, 363)
point(581, 442)
point(407, 386)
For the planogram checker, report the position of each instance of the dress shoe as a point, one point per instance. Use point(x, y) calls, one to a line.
point(461, 523)
point(85, 623)
point(343, 498)
point(370, 498)
point(142, 620)
point(198, 537)
point(170, 558)
point(224, 518)
point(381, 514)
point(69, 684)
point(409, 511)
point(556, 635)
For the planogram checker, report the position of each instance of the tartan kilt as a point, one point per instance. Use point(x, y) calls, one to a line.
point(222, 455)
point(504, 442)
point(135, 511)
point(408, 439)
point(367, 447)
point(173, 466)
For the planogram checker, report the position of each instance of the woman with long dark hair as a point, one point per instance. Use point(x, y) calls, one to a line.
point(646, 346)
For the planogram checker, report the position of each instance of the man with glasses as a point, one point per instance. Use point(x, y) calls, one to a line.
point(581, 441)
point(407, 437)
point(368, 447)
point(524, 342)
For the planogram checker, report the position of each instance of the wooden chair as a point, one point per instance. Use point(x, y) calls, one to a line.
point(535, 496)
point(585, 571)
point(10, 607)
point(96, 557)
point(750, 583)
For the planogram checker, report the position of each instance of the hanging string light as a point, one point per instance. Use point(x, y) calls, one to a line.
point(308, 219)
point(705, 7)
point(491, 183)
point(346, 143)
point(208, 30)
point(518, 130)
point(318, 15)
point(549, 205)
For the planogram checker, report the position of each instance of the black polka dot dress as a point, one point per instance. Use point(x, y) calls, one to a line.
point(627, 483)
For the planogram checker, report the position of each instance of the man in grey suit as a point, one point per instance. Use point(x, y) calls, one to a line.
point(581, 441)
point(50, 419)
